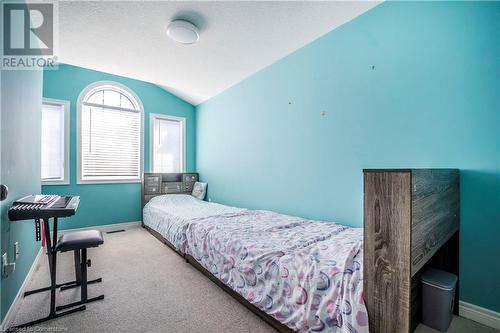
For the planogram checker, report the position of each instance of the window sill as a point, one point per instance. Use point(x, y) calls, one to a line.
point(54, 183)
point(103, 182)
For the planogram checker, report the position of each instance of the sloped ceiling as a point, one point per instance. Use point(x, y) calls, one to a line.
point(237, 39)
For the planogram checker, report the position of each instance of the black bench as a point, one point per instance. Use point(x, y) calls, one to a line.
point(79, 242)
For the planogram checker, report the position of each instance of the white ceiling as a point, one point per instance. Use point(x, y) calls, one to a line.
point(237, 39)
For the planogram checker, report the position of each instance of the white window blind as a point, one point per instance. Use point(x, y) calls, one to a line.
point(110, 142)
point(53, 147)
point(168, 144)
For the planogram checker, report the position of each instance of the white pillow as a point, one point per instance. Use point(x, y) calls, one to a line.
point(199, 190)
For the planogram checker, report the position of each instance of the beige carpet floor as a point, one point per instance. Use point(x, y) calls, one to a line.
point(149, 288)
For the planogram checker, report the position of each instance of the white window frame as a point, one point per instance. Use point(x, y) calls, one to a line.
point(182, 120)
point(82, 95)
point(66, 105)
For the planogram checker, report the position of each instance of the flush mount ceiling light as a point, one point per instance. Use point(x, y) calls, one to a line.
point(183, 32)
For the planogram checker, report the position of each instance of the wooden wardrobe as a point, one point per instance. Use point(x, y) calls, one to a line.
point(411, 222)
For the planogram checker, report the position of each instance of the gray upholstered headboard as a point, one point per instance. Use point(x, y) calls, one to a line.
point(154, 184)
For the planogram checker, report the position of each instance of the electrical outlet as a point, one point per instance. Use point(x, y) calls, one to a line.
point(7, 268)
point(16, 250)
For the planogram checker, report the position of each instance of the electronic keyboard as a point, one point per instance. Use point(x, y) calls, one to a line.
point(43, 207)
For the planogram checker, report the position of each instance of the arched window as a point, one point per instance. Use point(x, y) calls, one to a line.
point(110, 134)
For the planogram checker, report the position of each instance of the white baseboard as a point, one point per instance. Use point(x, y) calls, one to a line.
point(481, 315)
point(108, 227)
point(9, 316)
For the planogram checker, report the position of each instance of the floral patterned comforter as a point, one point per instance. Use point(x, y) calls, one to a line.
point(306, 274)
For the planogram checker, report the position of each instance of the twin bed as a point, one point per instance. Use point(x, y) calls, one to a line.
point(305, 274)
point(301, 275)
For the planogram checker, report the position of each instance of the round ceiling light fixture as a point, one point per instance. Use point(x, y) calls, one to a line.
point(183, 32)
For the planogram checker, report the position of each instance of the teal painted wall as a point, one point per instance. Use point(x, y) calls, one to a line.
point(404, 85)
point(111, 203)
point(21, 100)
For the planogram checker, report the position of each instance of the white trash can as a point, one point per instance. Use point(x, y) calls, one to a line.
point(438, 296)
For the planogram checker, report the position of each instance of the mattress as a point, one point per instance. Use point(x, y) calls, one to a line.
point(306, 274)
point(170, 215)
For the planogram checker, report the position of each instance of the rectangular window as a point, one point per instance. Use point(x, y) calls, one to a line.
point(55, 142)
point(167, 143)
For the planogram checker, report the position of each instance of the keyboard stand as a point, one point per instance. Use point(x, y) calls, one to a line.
point(52, 257)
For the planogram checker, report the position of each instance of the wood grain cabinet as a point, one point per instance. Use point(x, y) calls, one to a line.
point(411, 222)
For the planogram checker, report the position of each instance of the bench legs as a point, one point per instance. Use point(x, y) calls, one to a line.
point(81, 264)
point(78, 270)
point(69, 284)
